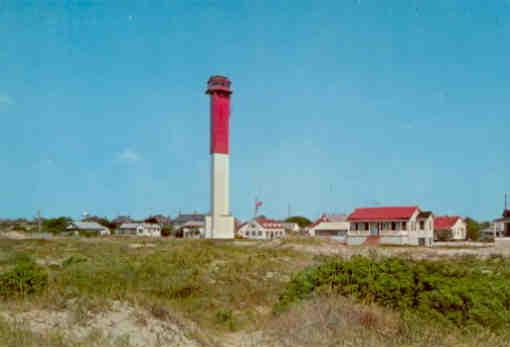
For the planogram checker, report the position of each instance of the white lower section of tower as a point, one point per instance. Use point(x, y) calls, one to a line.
point(220, 224)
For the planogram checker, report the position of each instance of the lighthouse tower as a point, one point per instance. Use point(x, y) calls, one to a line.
point(219, 224)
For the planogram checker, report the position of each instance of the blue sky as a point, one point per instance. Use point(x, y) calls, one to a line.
point(337, 104)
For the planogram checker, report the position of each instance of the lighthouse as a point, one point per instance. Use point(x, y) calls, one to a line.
point(220, 223)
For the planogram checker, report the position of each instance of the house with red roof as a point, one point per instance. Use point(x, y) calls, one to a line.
point(262, 228)
point(397, 225)
point(449, 228)
point(333, 226)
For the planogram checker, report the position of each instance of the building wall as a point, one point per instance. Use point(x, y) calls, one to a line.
point(193, 232)
point(142, 229)
point(294, 227)
point(256, 231)
point(405, 233)
point(219, 184)
point(426, 233)
point(340, 227)
point(220, 224)
point(459, 230)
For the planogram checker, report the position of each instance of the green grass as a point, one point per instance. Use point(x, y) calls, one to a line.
point(198, 278)
point(232, 288)
point(463, 292)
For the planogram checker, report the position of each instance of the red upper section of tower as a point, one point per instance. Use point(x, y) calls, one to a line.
point(218, 87)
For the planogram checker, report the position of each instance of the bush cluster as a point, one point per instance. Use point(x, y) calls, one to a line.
point(225, 317)
point(461, 292)
point(24, 278)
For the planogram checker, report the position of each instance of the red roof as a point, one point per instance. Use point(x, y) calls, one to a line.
point(269, 223)
point(382, 213)
point(445, 222)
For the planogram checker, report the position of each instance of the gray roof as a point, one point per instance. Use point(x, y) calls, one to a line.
point(129, 225)
point(336, 217)
point(184, 218)
point(193, 223)
point(86, 226)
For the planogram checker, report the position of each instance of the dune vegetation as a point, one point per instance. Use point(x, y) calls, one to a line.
point(133, 292)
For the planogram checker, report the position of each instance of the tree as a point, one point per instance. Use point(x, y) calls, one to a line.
point(299, 220)
point(151, 220)
point(167, 230)
point(473, 229)
point(56, 225)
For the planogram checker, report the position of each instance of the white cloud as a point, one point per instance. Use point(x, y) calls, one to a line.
point(128, 155)
point(6, 99)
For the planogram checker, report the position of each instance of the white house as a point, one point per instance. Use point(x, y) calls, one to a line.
point(140, 229)
point(502, 225)
point(400, 225)
point(262, 229)
point(449, 228)
point(190, 225)
point(291, 226)
point(334, 226)
point(88, 227)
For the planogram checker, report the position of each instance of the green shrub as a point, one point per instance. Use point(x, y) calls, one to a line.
point(74, 259)
point(225, 317)
point(459, 292)
point(26, 277)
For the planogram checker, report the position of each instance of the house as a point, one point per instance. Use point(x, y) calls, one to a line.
point(119, 220)
point(140, 229)
point(334, 226)
point(161, 220)
point(502, 225)
point(397, 225)
point(448, 228)
point(492, 231)
point(190, 225)
point(88, 228)
point(262, 229)
point(291, 226)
